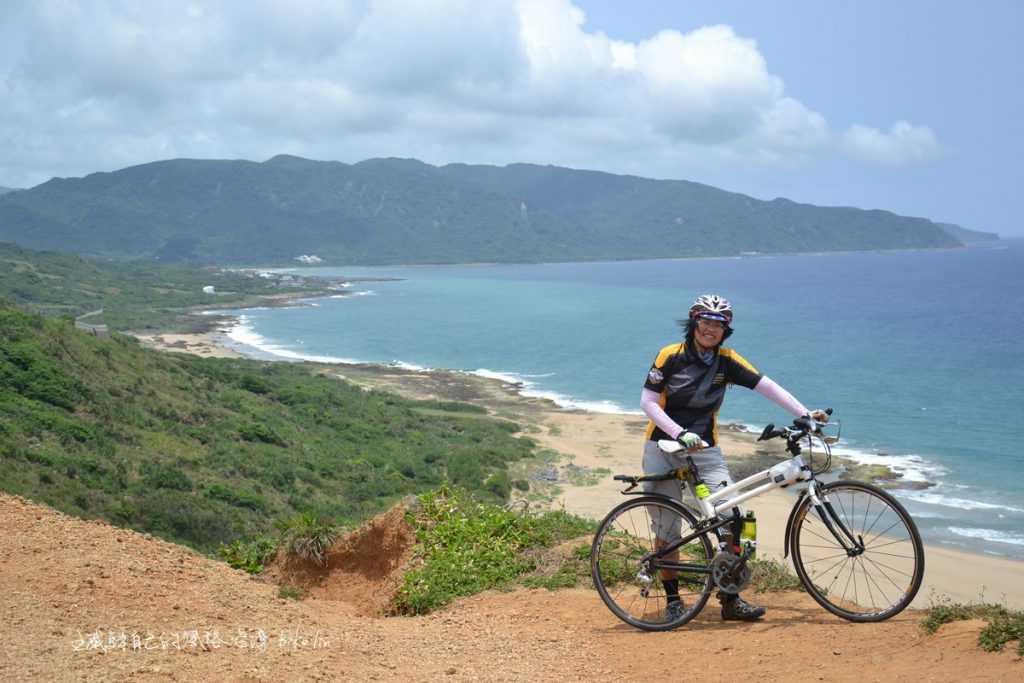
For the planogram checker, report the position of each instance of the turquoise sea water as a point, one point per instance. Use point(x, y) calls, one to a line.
point(920, 353)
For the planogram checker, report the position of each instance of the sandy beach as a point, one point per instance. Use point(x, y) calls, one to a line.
point(206, 344)
point(583, 451)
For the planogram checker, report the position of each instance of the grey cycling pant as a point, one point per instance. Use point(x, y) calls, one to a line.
point(711, 466)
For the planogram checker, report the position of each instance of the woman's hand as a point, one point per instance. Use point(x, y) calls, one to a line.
point(690, 441)
point(819, 415)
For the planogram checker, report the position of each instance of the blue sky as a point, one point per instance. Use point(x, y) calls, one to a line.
point(956, 67)
point(909, 106)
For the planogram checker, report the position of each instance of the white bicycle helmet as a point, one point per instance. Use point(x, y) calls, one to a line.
point(712, 307)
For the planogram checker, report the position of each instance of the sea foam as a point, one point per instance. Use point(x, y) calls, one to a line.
point(988, 535)
point(526, 387)
point(936, 498)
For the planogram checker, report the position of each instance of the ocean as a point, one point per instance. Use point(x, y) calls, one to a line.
point(918, 352)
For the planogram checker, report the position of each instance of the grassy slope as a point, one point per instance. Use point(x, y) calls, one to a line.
point(203, 451)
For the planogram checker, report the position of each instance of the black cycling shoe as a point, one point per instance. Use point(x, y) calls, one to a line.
point(674, 611)
point(735, 608)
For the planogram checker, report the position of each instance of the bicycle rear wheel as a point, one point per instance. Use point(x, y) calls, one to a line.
point(872, 579)
point(632, 587)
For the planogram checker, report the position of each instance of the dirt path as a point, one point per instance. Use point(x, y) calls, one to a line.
point(76, 594)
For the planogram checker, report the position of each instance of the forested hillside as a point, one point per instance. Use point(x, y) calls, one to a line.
point(405, 211)
point(204, 451)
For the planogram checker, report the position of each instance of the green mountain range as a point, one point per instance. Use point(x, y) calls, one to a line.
point(405, 211)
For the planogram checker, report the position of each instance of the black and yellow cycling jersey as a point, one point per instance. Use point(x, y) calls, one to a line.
point(692, 390)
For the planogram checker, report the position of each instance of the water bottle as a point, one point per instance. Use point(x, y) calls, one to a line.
point(748, 534)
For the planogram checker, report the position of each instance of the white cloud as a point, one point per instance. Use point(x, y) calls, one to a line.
point(903, 145)
point(104, 84)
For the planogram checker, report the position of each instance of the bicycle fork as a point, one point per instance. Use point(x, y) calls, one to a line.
point(823, 507)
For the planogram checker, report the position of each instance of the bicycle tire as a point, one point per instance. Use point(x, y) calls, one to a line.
point(887, 574)
point(624, 536)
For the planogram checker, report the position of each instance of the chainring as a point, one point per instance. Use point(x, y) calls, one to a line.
point(725, 576)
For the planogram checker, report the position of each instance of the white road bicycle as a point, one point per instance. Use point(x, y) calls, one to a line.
point(855, 549)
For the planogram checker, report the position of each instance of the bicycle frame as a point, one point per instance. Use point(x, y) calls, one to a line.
point(726, 498)
point(723, 498)
point(710, 521)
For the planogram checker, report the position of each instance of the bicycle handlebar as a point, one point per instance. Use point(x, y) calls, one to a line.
point(802, 426)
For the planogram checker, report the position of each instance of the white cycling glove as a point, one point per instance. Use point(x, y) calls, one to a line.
point(689, 440)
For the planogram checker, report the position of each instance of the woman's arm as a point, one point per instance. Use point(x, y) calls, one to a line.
point(785, 400)
point(649, 404)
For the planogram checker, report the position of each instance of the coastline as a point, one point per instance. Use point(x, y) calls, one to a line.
point(581, 450)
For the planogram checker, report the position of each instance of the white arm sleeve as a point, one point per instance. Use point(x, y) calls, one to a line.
point(649, 404)
point(785, 400)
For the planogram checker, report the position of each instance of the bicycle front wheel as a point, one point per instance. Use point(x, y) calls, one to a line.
point(628, 573)
point(875, 575)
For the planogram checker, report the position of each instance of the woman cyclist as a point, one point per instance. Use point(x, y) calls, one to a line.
point(682, 395)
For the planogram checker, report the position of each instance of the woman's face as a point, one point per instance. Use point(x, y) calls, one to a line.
point(709, 333)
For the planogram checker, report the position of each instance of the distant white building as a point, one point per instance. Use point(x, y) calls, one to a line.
point(309, 259)
point(208, 289)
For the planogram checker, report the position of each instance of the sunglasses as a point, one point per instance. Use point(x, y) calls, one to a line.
point(711, 324)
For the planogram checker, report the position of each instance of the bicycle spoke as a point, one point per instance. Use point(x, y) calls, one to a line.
point(875, 521)
point(829, 570)
point(847, 588)
point(882, 545)
point(867, 584)
point(827, 557)
point(856, 596)
point(880, 590)
point(852, 516)
point(834, 579)
point(905, 557)
point(880, 534)
point(881, 564)
point(824, 538)
point(887, 577)
point(867, 509)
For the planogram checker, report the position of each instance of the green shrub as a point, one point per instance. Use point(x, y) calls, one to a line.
point(465, 546)
point(252, 557)
point(236, 497)
point(179, 516)
point(498, 485)
point(1004, 625)
point(772, 575)
point(307, 537)
point(166, 477)
point(454, 407)
point(256, 385)
point(567, 576)
point(946, 611)
point(260, 432)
